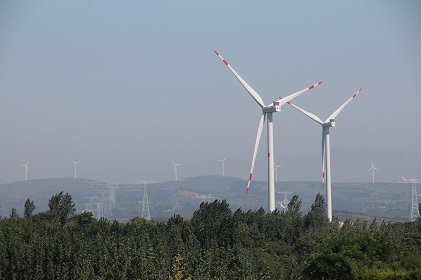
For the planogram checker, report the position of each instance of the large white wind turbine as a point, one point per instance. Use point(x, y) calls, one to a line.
point(75, 163)
point(373, 169)
point(175, 169)
point(26, 169)
point(222, 161)
point(267, 112)
point(329, 122)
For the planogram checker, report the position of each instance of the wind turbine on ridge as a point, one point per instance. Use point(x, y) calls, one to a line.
point(75, 163)
point(222, 161)
point(329, 122)
point(26, 170)
point(267, 112)
point(175, 169)
point(373, 169)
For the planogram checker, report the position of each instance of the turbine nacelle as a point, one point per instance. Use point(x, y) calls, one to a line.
point(329, 123)
point(274, 107)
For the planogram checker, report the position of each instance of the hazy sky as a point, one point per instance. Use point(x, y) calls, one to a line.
point(126, 86)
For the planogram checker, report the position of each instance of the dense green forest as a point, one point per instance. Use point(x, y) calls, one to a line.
point(216, 243)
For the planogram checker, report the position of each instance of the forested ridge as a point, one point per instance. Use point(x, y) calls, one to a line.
point(216, 243)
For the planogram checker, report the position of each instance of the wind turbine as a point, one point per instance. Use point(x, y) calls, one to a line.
point(329, 122)
point(373, 169)
point(276, 171)
point(26, 170)
point(223, 165)
point(75, 163)
point(175, 169)
point(267, 112)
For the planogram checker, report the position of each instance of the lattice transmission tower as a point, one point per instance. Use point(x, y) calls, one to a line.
point(145, 213)
point(415, 211)
point(284, 203)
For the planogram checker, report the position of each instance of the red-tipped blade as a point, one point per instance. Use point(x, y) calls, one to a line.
point(284, 100)
point(256, 147)
point(335, 114)
point(250, 90)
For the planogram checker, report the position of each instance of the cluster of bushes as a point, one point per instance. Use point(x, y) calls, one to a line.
point(215, 243)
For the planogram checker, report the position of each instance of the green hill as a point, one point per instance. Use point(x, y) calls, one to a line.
point(384, 200)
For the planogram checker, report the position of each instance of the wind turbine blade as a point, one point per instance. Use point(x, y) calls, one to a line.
point(308, 114)
point(323, 156)
point(251, 91)
point(282, 101)
point(335, 114)
point(256, 147)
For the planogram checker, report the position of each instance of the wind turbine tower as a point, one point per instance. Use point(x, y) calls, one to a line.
point(415, 211)
point(373, 169)
point(223, 165)
point(329, 122)
point(175, 169)
point(267, 111)
point(75, 164)
point(26, 170)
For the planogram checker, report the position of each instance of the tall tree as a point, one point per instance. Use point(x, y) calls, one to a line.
point(62, 207)
point(29, 208)
point(317, 216)
point(14, 215)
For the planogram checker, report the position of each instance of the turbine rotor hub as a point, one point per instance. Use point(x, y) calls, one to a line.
point(274, 107)
point(330, 123)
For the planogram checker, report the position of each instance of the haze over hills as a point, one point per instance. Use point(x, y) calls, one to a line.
point(383, 200)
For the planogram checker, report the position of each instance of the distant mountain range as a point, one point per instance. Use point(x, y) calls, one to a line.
point(382, 200)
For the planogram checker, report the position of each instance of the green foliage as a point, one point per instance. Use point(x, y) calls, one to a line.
point(215, 244)
point(28, 209)
point(178, 269)
point(317, 217)
point(61, 207)
point(14, 215)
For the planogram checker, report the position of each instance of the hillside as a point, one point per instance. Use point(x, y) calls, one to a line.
point(382, 200)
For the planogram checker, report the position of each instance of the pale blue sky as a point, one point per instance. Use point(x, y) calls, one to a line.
point(126, 86)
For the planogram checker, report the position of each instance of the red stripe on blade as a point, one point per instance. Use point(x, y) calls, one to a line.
point(216, 52)
point(226, 63)
point(311, 87)
point(251, 175)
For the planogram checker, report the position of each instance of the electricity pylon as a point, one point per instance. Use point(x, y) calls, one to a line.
point(415, 211)
point(284, 203)
point(146, 214)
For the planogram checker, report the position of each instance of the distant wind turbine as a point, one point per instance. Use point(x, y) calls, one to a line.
point(175, 169)
point(75, 163)
point(267, 111)
point(373, 169)
point(26, 169)
point(222, 161)
point(276, 171)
